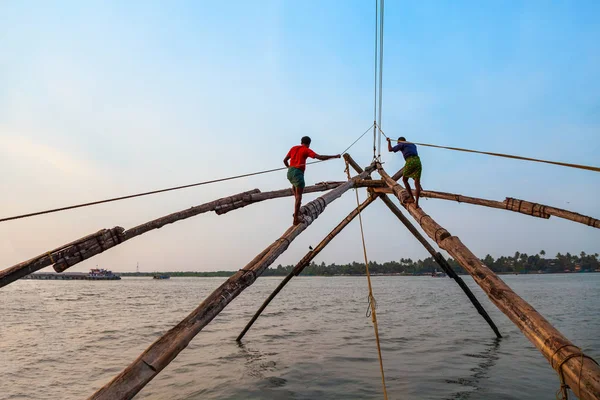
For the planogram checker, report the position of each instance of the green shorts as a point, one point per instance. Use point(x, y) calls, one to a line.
point(413, 167)
point(296, 177)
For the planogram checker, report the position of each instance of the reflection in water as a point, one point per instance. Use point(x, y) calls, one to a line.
point(488, 357)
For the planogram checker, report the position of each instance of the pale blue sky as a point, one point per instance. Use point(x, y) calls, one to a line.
point(100, 99)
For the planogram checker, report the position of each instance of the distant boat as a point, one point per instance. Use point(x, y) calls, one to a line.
point(102, 274)
point(161, 276)
point(436, 274)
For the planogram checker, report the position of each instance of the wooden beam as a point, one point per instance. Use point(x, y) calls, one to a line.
point(103, 239)
point(581, 373)
point(306, 261)
point(511, 204)
point(219, 206)
point(352, 163)
point(129, 382)
point(79, 250)
point(441, 262)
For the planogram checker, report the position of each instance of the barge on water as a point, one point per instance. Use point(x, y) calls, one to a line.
point(96, 274)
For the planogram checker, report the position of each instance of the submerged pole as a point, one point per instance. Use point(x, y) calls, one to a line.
point(441, 262)
point(579, 371)
point(306, 261)
point(156, 357)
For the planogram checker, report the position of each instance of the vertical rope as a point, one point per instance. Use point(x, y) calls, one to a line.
point(375, 85)
point(381, 12)
point(372, 302)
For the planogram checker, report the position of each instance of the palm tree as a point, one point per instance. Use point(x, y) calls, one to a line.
point(542, 253)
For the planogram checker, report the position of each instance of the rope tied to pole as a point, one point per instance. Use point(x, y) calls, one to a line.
point(372, 301)
point(562, 393)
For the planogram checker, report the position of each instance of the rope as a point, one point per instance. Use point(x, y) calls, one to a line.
point(380, 74)
point(375, 86)
point(372, 301)
point(92, 203)
point(562, 164)
point(562, 393)
point(360, 137)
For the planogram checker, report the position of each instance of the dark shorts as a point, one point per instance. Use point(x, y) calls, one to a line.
point(296, 177)
point(413, 167)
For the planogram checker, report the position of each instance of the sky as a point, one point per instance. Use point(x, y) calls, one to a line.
point(108, 98)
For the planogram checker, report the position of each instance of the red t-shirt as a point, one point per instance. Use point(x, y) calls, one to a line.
point(298, 156)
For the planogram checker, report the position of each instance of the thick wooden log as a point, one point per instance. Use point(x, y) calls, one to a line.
point(306, 261)
point(165, 349)
point(447, 268)
point(551, 343)
point(103, 239)
point(256, 197)
point(220, 206)
point(511, 204)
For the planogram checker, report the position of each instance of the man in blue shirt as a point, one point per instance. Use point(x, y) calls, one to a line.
point(412, 167)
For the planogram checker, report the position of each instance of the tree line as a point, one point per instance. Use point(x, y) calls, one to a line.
point(519, 263)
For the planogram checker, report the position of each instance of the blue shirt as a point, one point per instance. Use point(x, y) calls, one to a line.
point(407, 149)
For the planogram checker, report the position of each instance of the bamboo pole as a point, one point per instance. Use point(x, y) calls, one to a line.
point(441, 262)
point(306, 261)
point(219, 206)
point(103, 239)
point(580, 372)
point(81, 249)
point(131, 380)
point(511, 204)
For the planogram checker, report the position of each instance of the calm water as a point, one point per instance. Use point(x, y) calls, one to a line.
point(63, 340)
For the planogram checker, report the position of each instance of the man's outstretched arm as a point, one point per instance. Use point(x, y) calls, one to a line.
point(323, 158)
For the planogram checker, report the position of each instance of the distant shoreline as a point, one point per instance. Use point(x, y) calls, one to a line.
point(517, 264)
point(226, 274)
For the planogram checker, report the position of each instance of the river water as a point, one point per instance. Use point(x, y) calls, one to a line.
point(65, 339)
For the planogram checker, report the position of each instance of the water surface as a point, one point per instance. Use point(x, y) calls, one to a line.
point(65, 339)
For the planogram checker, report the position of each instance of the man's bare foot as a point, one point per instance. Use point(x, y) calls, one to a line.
point(298, 220)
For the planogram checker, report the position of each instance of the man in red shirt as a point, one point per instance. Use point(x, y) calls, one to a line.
point(297, 163)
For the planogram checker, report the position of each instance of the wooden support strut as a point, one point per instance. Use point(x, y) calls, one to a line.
point(88, 246)
point(306, 261)
point(511, 204)
point(154, 359)
point(580, 372)
point(441, 262)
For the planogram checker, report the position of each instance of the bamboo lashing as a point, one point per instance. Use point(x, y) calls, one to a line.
point(581, 374)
